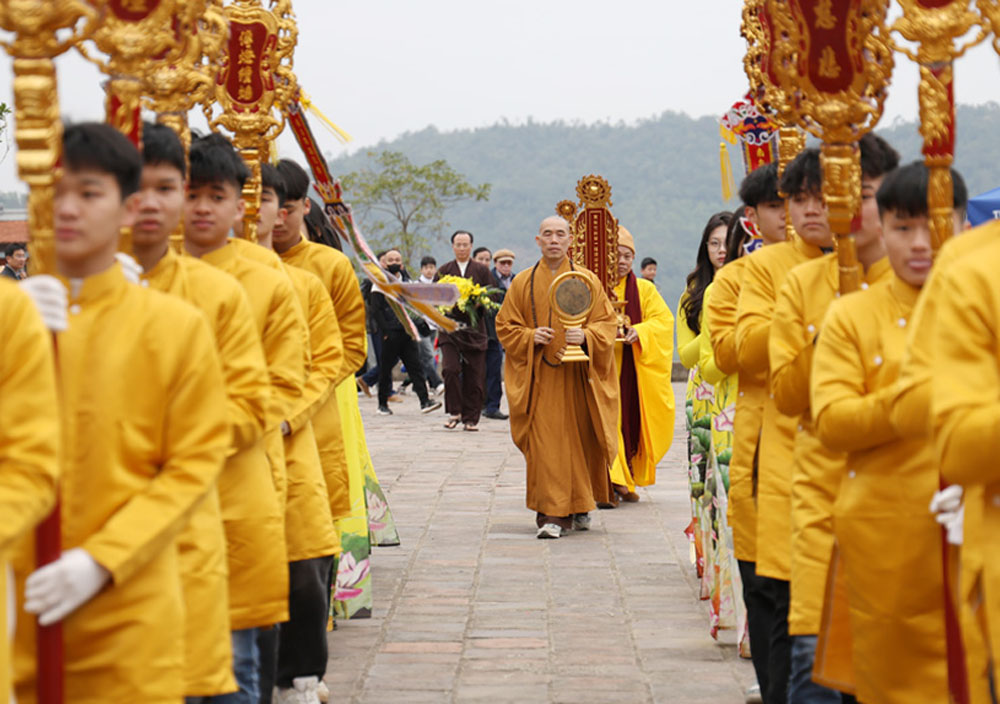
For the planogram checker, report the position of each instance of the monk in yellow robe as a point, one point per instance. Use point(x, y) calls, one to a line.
point(145, 433)
point(29, 439)
point(563, 415)
point(889, 541)
point(643, 362)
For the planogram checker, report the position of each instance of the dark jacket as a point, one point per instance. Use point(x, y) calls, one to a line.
point(473, 337)
point(385, 320)
point(9, 273)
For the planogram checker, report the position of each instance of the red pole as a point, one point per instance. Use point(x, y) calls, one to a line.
point(49, 644)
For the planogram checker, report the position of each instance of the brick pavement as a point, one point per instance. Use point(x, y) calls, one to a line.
point(472, 607)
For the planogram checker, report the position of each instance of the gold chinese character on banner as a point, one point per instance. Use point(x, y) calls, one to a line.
point(828, 66)
point(246, 38)
point(824, 15)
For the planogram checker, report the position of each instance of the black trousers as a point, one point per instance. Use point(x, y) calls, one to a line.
point(779, 653)
point(397, 345)
point(760, 614)
point(302, 650)
point(494, 375)
point(464, 372)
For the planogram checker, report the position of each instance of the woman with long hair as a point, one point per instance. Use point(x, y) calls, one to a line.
point(726, 608)
point(711, 255)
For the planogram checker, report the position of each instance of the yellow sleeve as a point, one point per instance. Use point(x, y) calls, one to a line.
point(754, 314)
point(847, 418)
point(244, 371)
point(688, 347)
point(966, 387)
point(720, 319)
point(350, 309)
point(195, 437)
point(657, 322)
point(29, 433)
point(327, 354)
point(790, 350)
point(910, 413)
point(706, 353)
point(284, 332)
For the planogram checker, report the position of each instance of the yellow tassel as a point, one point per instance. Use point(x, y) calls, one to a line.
point(309, 105)
point(725, 166)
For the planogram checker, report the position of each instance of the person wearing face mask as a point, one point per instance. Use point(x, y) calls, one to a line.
point(397, 344)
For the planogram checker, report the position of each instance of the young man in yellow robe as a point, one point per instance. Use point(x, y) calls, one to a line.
point(213, 204)
point(145, 433)
point(563, 415)
point(234, 579)
point(965, 414)
point(765, 210)
point(301, 654)
point(765, 273)
point(817, 470)
point(643, 362)
point(912, 417)
point(890, 543)
point(29, 439)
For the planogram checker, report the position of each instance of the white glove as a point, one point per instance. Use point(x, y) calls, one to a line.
point(130, 267)
point(61, 587)
point(50, 298)
point(950, 512)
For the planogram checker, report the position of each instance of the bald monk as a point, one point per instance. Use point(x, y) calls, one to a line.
point(563, 416)
point(643, 362)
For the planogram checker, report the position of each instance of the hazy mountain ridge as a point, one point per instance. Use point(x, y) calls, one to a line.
point(663, 171)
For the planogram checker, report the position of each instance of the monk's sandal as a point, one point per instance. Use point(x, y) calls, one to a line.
point(550, 531)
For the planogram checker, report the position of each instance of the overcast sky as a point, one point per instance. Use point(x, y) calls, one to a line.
point(382, 67)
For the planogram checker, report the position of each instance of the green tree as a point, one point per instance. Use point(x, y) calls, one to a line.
point(403, 205)
point(5, 112)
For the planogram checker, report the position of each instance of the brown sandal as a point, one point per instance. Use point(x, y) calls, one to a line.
point(452, 423)
point(471, 428)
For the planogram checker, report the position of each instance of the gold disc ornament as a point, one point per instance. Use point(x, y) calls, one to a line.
point(572, 298)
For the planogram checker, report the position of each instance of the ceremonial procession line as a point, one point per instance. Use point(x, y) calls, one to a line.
point(470, 607)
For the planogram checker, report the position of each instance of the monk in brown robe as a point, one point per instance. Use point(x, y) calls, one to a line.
point(563, 416)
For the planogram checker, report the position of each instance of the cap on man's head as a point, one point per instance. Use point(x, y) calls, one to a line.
point(625, 238)
point(503, 255)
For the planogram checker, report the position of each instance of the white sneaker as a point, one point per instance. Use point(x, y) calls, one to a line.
point(323, 692)
point(302, 691)
point(550, 531)
point(439, 390)
point(581, 521)
point(753, 695)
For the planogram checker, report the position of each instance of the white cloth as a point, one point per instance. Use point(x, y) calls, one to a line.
point(61, 587)
point(50, 298)
point(462, 266)
point(950, 512)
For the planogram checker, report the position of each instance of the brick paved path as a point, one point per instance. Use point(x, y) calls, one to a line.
point(472, 607)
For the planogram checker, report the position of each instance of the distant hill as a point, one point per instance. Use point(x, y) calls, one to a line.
point(664, 174)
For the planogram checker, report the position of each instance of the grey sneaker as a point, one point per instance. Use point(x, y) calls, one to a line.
point(429, 406)
point(550, 531)
point(581, 521)
point(384, 411)
point(753, 695)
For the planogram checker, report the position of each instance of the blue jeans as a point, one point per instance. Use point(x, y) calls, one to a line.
point(801, 688)
point(370, 377)
point(494, 376)
point(246, 668)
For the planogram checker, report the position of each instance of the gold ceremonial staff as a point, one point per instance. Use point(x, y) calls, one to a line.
point(834, 62)
point(37, 126)
point(759, 31)
point(254, 81)
point(185, 75)
point(935, 30)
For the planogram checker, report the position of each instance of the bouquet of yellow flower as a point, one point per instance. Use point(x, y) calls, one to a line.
point(471, 297)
